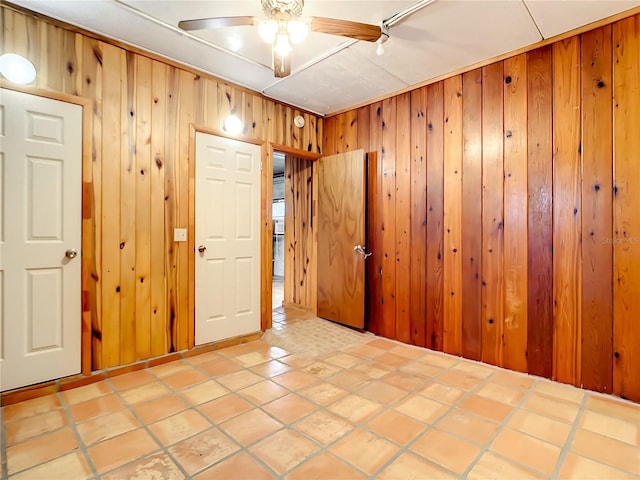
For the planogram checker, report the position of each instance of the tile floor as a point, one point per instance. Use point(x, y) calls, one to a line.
point(369, 409)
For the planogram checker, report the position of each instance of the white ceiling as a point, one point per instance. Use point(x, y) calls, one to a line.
point(331, 73)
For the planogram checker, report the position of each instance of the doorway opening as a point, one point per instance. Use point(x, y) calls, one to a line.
point(278, 216)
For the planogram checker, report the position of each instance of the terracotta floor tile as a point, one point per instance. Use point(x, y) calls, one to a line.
point(321, 369)
point(544, 428)
point(467, 425)
point(560, 390)
point(204, 392)
point(184, 379)
point(276, 352)
point(355, 408)
point(438, 359)
point(324, 427)
point(411, 467)
point(171, 368)
point(88, 392)
point(29, 427)
point(364, 351)
point(486, 407)
point(446, 450)
point(459, 380)
point(251, 359)
point(154, 410)
point(614, 407)
point(526, 450)
point(551, 407)
point(393, 360)
point(496, 467)
point(263, 392)
point(239, 380)
point(203, 358)
point(396, 427)
point(219, 367)
point(607, 450)
point(325, 467)
point(156, 466)
point(241, 466)
point(289, 408)
point(203, 450)
point(271, 369)
point(421, 369)
point(349, 379)
point(132, 380)
point(373, 369)
point(323, 393)
point(383, 344)
point(474, 369)
point(500, 393)
point(441, 392)
point(420, 408)
point(343, 360)
point(294, 380)
point(284, 450)
point(296, 361)
point(178, 427)
point(381, 392)
point(144, 393)
point(70, 467)
point(364, 450)
point(107, 426)
point(407, 351)
point(224, 408)
point(575, 466)
point(117, 451)
point(30, 408)
point(40, 449)
point(250, 427)
point(610, 426)
point(405, 381)
point(95, 408)
point(512, 379)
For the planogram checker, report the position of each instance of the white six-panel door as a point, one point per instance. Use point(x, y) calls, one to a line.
point(40, 207)
point(227, 238)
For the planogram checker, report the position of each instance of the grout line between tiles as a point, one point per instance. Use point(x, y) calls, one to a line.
point(572, 433)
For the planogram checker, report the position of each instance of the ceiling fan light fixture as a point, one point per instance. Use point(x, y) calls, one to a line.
point(233, 125)
point(297, 30)
point(282, 46)
point(268, 30)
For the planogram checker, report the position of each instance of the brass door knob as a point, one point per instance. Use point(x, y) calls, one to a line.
point(202, 248)
point(71, 253)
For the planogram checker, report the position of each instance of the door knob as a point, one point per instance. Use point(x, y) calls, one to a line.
point(360, 249)
point(202, 248)
point(71, 253)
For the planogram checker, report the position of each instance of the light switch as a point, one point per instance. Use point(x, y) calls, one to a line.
point(179, 234)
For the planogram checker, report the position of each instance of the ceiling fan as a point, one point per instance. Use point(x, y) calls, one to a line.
point(285, 26)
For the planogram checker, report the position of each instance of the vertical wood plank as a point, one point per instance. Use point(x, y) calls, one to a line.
point(375, 219)
point(597, 210)
point(111, 58)
point(159, 343)
point(329, 141)
point(472, 214)
point(403, 220)
point(492, 213)
point(540, 213)
point(388, 241)
point(515, 213)
point(350, 136)
point(128, 212)
point(143, 207)
point(626, 74)
point(452, 204)
point(435, 215)
point(566, 209)
point(418, 245)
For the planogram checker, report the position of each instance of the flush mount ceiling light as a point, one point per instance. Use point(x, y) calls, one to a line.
point(232, 125)
point(284, 27)
point(17, 69)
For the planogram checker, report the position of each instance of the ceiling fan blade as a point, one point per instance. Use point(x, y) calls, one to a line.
point(281, 65)
point(216, 22)
point(346, 28)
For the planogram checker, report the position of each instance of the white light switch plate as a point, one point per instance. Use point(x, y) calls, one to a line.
point(179, 234)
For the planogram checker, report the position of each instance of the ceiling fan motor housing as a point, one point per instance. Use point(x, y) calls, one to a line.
point(282, 9)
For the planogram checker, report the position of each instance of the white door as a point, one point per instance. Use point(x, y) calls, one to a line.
point(40, 207)
point(227, 238)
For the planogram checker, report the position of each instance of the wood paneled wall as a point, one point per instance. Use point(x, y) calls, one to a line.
point(505, 211)
point(139, 183)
